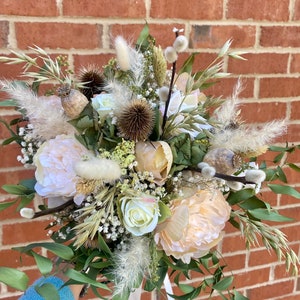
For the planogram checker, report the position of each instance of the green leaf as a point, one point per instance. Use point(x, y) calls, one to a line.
point(82, 278)
point(294, 167)
point(6, 205)
point(44, 264)
point(223, 284)
point(14, 278)
point(15, 189)
point(164, 212)
point(269, 215)
point(188, 64)
point(48, 291)
point(240, 196)
point(239, 296)
point(103, 246)
point(284, 189)
point(8, 102)
point(60, 250)
point(143, 37)
point(252, 203)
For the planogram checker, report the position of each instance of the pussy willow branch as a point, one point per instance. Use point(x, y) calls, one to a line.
point(53, 210)
point(241, 179)
point(170, 92)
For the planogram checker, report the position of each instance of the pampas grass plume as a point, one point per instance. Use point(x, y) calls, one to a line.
point(98, 169)
point(131, 265)
point(123, 53)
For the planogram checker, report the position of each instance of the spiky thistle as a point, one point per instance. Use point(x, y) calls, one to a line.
point(92, 81)
point(136, 120)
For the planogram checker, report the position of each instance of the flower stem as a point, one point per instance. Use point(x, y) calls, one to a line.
point(53, 210)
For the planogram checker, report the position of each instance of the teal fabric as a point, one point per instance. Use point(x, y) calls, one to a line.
point(65, 293)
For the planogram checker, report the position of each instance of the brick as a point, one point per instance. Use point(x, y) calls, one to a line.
point(297, 10)
point(250, 278)
point(293, 134)
point(58, 35)
point(295, 63)
point(279, 87)
point(10, 153)
point(4, 30)
point(281, 272)
point(261, 257)
point(105, 8)
point(24, 232)
point(14, 177)
point(260, 63)
point(29, 8)
point(268, 10)
point(262, 111)
point(280, 36)
point(191, 10)
point(225, 87)
point(271, 290)
point(295, 110)
point(98, 61)
point(210, 36)
point(13, 259)
point(233, 243)
point(163, 33)
point(235, 261)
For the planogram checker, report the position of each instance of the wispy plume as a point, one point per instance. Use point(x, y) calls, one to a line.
point(43, 112)
point(131, 265)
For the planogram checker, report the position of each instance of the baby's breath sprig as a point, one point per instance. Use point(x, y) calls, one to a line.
point(272, 238)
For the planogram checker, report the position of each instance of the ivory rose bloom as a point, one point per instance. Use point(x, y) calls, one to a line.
point(140, 213)
point(154, 157)
point(103, 104)
point(195, 225)
point(54, 166)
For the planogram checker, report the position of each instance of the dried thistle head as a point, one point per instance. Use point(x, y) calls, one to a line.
point(92, 80)
point(136, 120)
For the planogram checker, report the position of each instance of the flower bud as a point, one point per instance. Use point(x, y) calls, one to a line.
point(181, 43)
point(27, 213)
point(123, 53)
point(170, 54)
point(163, 93)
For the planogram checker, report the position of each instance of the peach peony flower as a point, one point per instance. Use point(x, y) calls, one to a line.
point(195, 225)
point(154, 157)
point(54, 166)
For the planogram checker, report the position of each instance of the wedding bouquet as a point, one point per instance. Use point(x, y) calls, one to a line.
point(140, 169)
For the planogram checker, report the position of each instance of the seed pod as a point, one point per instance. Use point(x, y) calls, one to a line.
point(72, 101)
point(223, 160)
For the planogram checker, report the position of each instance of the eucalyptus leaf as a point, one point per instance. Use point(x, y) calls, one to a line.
point(60, 250)
point(82, 278)
point(48, 291)
point(6, 205)
point(239, 296)
point(8, 102)
point(44, 264)
point(223, 284)
point(269, 215)
point(240, 196)
point(284, 189)
point(14, 278)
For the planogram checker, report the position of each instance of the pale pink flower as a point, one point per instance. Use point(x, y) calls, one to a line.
point(195, 225)
point(54, 166)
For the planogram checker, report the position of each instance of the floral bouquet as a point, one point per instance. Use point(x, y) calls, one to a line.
point(140, 169)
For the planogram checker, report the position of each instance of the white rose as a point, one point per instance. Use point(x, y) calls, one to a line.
point(54, 166)
point(103, 104)
point(140, 213)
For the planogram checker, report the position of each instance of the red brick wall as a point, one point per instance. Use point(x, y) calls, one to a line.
point(269, 30)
